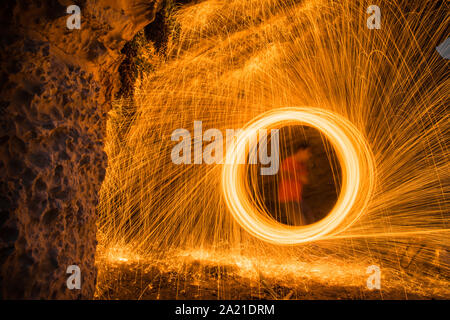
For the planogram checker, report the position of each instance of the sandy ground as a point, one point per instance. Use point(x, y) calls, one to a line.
point(146, 281)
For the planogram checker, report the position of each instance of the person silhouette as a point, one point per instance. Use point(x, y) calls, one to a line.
point(293, 176)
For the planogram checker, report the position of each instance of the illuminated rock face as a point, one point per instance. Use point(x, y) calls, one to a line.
point(56, 88)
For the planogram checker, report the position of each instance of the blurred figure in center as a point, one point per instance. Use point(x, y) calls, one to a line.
point(293, 176)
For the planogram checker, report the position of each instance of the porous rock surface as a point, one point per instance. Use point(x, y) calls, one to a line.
point(56, 88)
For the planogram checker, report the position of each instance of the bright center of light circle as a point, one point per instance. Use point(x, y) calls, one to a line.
point(356, 162)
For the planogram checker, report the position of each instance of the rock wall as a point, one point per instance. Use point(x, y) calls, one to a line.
point(56, 88)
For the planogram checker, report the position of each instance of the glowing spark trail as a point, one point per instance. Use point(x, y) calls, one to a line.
point(358, 171)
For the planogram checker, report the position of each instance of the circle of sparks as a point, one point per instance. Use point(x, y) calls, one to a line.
point(353, 154)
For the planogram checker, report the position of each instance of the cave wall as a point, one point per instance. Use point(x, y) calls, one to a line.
point(56, 89)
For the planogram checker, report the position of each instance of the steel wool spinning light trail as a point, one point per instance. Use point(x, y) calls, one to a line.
point(358, 173)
